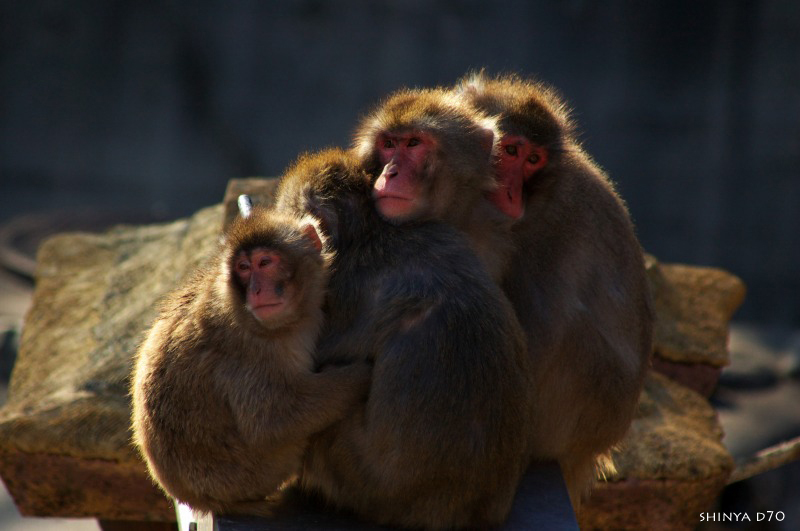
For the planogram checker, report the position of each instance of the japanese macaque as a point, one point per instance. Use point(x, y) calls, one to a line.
point(441, 440)
point(225, 393)
point(576, 278)
point(433, 158)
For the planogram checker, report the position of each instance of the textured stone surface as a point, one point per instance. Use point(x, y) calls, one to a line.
point(94, 297)
point(675, 435)
point(650, 505)
point(693, 307)
point(698, 377)
point(58, 485)
point(68, 396)
point(671, 465)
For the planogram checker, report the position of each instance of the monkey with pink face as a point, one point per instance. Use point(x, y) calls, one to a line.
point(550, 229)
point(440, 442)
point(225, 390)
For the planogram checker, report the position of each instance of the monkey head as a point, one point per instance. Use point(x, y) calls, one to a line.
point(536, 125)
point(519, 160)
point(273, 266)
point(429, 157)
point(333, 188)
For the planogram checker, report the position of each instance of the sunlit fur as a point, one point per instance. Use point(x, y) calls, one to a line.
point(224, 404)
point(441, 441)
point(459, 172)
point(577, 282)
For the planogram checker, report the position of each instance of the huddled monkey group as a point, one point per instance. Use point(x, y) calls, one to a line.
point(413, 323)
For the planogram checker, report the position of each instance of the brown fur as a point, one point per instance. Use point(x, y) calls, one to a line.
point(457, 174)
point(440, 442)
point(577, 283)
point(223, 404)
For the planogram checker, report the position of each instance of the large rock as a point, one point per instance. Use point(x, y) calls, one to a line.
point(64, 433)
point(68, 399)
point(669, 468)
point(693, 306)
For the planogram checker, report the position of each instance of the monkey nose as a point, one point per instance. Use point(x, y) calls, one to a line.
point(255, 286)
point(390, 170)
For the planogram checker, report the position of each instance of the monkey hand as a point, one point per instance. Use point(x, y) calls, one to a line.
point(355, 377)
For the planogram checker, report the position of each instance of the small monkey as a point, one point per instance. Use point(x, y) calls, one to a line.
point(225, 395)
point(440, 442)
point(576, 278)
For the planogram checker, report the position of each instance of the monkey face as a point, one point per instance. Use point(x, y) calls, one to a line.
point(398, 190)
point(519, 160)
point(265, 278)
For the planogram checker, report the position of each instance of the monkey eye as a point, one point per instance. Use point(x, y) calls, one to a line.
point(413, 141)
point(243, 266)
point(533, 159)
point(511, 150)
point(265, 261)
point(388, 144)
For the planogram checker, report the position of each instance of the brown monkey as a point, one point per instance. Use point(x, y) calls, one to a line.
point(433, 159)
point(225, 395)
point(440, 442)
point(576, 278)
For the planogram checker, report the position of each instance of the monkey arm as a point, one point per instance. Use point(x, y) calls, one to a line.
point(428, 408)
point(307, 404)
point(339, 349)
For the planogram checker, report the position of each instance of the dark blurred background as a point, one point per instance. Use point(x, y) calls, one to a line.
point(147, 108)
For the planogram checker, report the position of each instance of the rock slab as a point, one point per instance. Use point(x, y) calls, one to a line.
point(669, 468)
point(68, 400)
point(693, 308)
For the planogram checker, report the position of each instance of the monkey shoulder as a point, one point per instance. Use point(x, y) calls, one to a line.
point(434, 272)
point(452, 261)
point(438, 243)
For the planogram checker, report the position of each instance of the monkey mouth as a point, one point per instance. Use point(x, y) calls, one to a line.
point(393, 199)
point(379, 195)
point(393, 206)
point(266, 310)
point(508, 199)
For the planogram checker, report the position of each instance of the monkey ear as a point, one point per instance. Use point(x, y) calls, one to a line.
point(310, 232)
point(488, 137)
